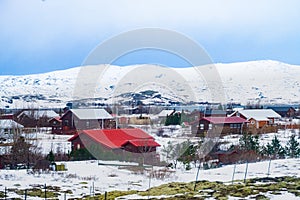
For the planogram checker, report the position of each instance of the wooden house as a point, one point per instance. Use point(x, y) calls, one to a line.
point(103, 142)
point(207, 126)
point(56, 125)
point(35, 118)
point(82, 119)
point(258, 118)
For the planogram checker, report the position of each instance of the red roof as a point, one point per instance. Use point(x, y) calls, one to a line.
point(225, 120)
point(57, 118)
point(116, 138)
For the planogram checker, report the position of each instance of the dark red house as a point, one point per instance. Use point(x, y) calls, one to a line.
point(55, 124)
point(216, 125)
point(81, 119)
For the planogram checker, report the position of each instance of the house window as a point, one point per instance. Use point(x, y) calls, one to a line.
point(209, 126)
point(87, 124)
point(231, 125)
point(66, 122)
point(201, 126)
point(78, 146)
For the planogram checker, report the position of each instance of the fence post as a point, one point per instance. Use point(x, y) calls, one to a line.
point(65, 196)
point(45, 191)
point(197, 176)
point(246, 172)
point(269, 168)
point(234, 168)
point(105, 195)
point(25, 195)
point(93, 189)
point(5, 193)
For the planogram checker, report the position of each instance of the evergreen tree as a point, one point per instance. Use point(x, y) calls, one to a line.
point(188, 155)
point(174, 119)
point(51, 156)
point(249, 142)
point(292, 148)
point(274, 149)
point(278, 150)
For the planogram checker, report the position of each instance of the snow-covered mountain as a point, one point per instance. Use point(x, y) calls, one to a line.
point(265, 81)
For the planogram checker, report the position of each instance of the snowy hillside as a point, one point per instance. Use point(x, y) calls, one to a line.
point(264, 81)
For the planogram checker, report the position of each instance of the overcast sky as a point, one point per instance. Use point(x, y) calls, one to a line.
point(45, 35)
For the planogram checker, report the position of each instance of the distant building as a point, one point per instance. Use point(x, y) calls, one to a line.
point(7, 116)
point(34, 118)
point(284, 111)
point(8, 127)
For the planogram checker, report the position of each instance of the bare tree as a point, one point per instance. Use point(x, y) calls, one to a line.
point(23, 153)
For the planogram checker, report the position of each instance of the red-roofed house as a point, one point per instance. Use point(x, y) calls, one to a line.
point(130, 140)
point(223, 125)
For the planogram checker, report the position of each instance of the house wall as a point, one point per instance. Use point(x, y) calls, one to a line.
point(140, 121)
point(55, 126)
point(259, 124)
point(129, 147)
point(67, 122)
point(77, 144)
point(208, 128)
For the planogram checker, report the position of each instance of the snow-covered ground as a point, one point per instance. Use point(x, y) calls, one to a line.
point(86, 177)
